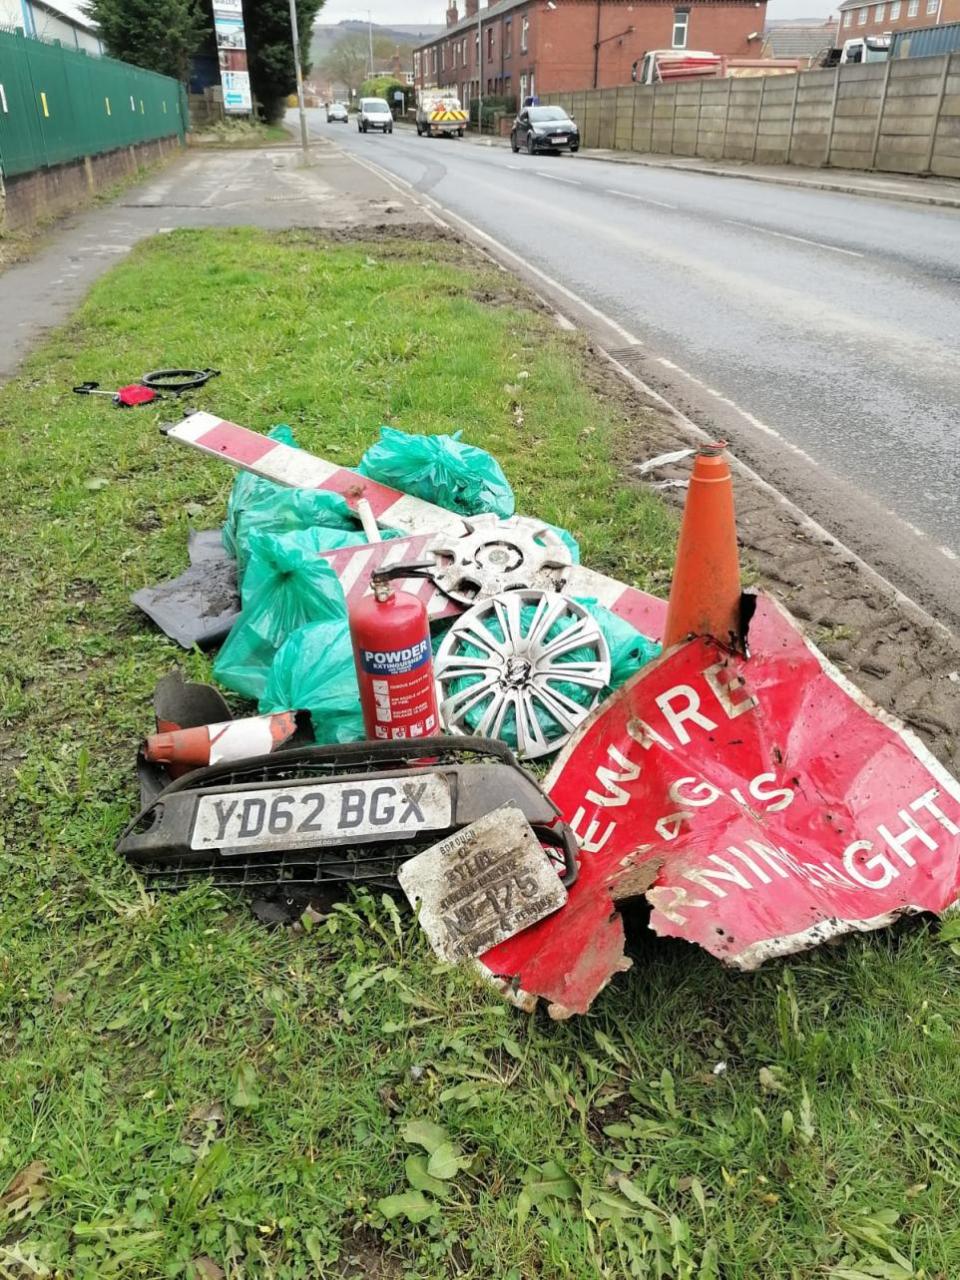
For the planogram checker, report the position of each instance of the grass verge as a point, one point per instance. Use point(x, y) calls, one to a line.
point(182, 1092)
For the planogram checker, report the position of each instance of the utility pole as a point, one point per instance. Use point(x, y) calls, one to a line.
point(370, 38)
point(479, 72)
point(295, 32)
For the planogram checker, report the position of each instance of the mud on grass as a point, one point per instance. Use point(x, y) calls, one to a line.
point(181, 1088)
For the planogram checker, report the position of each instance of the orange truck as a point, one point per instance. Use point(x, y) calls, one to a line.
point(658, 66)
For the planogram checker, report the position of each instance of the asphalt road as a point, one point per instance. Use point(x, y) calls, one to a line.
point(774, 314)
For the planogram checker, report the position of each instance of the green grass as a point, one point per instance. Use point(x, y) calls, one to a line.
point(184, 1084)
point(235, 132)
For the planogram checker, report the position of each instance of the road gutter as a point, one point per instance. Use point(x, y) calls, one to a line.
point(836, 186)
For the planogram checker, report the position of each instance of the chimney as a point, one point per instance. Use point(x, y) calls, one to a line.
point(452, 16)
point(471, 10)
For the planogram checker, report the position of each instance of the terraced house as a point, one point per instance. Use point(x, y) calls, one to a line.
point(520, 48)
point(859, 19)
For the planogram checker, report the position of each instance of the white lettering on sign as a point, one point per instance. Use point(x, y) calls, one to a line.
point(588, 840)
point(677, 717)
point(610, 780)
point(724, 688)
point(863, 863)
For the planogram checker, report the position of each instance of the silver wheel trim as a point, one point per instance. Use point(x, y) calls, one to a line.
point(492, 688)
point(538, 554)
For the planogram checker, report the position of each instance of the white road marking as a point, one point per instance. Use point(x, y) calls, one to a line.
point(628, 195)
point(572, 182)
point(782, 235)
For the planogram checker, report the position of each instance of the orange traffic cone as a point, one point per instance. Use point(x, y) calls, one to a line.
point(185, 749)
point(705, 593)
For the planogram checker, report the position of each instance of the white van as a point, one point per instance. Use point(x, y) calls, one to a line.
point(374, 114)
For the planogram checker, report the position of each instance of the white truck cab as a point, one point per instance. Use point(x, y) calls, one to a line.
point(865, 49)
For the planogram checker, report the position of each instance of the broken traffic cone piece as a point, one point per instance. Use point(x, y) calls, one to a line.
point(186, 749)
point(705, 594)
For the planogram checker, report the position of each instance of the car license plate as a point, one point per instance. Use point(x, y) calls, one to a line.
point(322, 813)
point(559, 139)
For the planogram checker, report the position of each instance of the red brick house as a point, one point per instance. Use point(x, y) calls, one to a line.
point(859, 19)
point(546, 46)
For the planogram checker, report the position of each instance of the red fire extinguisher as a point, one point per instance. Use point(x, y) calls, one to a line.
point(391, 649)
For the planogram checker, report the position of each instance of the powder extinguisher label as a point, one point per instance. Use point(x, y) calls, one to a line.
point(395, 662)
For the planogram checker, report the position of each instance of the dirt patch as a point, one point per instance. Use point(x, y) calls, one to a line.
point(363, 1258)
point(888, 649)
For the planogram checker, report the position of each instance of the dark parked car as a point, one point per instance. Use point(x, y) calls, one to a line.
point(544, 129)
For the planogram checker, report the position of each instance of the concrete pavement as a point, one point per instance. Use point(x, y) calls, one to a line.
point(263, 188)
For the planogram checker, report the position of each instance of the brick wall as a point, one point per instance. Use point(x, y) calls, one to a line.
point(565, 53)
point(560, 42)
point(31, 198)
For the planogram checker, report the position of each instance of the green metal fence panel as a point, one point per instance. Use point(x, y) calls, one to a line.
point(58, 104)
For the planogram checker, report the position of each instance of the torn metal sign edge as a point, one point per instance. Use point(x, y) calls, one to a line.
point(757, 952)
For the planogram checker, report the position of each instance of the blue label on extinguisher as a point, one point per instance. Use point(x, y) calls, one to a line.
point(395, 662)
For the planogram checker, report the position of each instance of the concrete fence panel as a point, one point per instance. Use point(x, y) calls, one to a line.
point(813, 118)
point(643, 120)
point(623, 125)
point(902, 116)
point(686, 120)
point(945, 153)
point(915, 94)
point(711, 128)
point(743, 111)
point(775, 122)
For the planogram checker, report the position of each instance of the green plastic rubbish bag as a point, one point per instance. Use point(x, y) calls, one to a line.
point(314, 671)
point(312, 542)
point(440, 469)
point(259, 505)
point(629, 649)
point(294, 586)
point(248, 490)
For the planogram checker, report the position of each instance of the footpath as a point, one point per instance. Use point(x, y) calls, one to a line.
point(879, 186)
point(267, 188)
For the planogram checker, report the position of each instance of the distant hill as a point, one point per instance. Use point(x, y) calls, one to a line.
point(406, 35)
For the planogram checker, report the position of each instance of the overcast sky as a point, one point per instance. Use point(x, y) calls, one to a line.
point(404, 11)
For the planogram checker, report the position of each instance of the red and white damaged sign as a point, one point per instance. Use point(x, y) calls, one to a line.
point(762, 805)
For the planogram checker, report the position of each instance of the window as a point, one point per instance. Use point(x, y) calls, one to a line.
point(862, 17)
point(523, 89)
point(489, 42)
point(681, 20)
point(933, 6)
point(443, 56)
point(895, 10)
point(913, 8)
point(416, 64)
point(847, 18)
point(524, 32)
point(878, 12)
point(508, 38)
point(434, 58)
